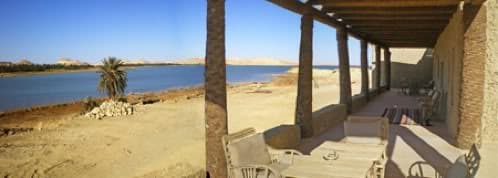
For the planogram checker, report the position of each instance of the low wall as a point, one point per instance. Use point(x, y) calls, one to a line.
point(289, 136)
point(372, 93)
point(359, 101)
point(328, 117)
point(283, 136)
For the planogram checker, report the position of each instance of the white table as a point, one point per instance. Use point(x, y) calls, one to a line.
point(354, 161)
point(350, 150)
point(309, 167)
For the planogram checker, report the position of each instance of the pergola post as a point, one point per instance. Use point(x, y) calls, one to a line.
point(364, 68)
point(215, 88)
point(387, 65)
point(344, 71)
point(377, 69)
point(305, 77)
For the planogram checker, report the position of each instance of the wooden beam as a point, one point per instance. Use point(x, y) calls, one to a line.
point(415, 25)
point(391, 41)
point(300, 8)
point(397, 21)
point(387, 70)
point(406, 30)
point(364, 68)
point(305, 76)
point(411, 45)
point(442, 10)
point(377, 68)
point(344, 69)
point(387, 3)
point(405, 35)
point(362, 27)
point(392, 17)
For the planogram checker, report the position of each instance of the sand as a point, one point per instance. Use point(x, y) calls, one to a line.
point(164, 139)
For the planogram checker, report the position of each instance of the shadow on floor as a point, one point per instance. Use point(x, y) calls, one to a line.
point(410, 143)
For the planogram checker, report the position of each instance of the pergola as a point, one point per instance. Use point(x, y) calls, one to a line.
point(383, 23)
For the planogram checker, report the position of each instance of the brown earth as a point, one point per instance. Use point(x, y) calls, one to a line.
point(163, 139)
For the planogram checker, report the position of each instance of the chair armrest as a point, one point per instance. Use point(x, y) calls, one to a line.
point(279, 154)
point(253, 170)
point(289, 152)
point(423, 167)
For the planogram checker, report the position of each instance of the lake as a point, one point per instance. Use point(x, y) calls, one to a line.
point(26, 91)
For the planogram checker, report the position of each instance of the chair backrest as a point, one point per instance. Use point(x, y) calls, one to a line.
point(465, 166)
point(368, 130)
point(244, 148)
point(435, 97)
point(473, 159)
point(430, 93)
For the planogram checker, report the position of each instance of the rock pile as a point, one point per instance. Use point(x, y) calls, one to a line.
point(110, 108)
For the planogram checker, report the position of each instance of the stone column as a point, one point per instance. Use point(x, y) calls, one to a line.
point(215, 89)
point(387, 65)
point(305, 77)
point(344, 71)
point(377, 69)
point(364, 68)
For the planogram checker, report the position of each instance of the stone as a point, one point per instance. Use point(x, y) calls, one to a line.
point(11, 132)
point(110, 109)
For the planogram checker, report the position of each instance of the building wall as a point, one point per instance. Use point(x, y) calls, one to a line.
point(466, 72)
point(474, 59)
point(411, 64)
point(490, 110)
point(489, 127)
point(447, 71)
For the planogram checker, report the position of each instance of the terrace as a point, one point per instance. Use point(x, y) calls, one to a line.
point(461, 34)
point(407, 144)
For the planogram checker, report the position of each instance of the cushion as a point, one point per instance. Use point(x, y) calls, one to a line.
point(249, 151)
point(363, 132)
point(458, 169)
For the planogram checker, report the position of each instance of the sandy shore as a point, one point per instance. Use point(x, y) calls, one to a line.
point(17, 74)
point(164, 139)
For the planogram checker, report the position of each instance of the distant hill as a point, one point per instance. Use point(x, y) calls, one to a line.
point(24, 62)
point(67, 62)
point(254, 61)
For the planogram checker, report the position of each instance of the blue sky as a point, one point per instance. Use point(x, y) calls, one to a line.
point(89, 30)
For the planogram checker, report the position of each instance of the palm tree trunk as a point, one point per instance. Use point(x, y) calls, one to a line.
point(215, 88)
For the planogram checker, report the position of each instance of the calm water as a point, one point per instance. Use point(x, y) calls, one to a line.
point(25, 91)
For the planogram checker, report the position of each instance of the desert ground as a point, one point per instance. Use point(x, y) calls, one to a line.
point(163, 139)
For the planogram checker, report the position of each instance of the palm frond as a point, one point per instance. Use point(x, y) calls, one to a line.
point(113, 80)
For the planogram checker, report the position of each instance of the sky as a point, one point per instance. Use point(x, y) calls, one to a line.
point(44, 31)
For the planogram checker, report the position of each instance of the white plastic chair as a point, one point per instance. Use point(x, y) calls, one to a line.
point(369, 130)
point(465, 166)
point(248, 156)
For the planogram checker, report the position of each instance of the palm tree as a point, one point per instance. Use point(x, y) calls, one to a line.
point(112, 78)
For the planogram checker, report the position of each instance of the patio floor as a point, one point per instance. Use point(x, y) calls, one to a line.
point(407, 143)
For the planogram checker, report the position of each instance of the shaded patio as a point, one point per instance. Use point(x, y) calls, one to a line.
point(407, 143)
point(386, 24)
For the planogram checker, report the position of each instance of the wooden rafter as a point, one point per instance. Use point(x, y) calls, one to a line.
point(392, 17)
point(386, 23)
point(386, 3)
point(300, 8)
point(448, 10)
